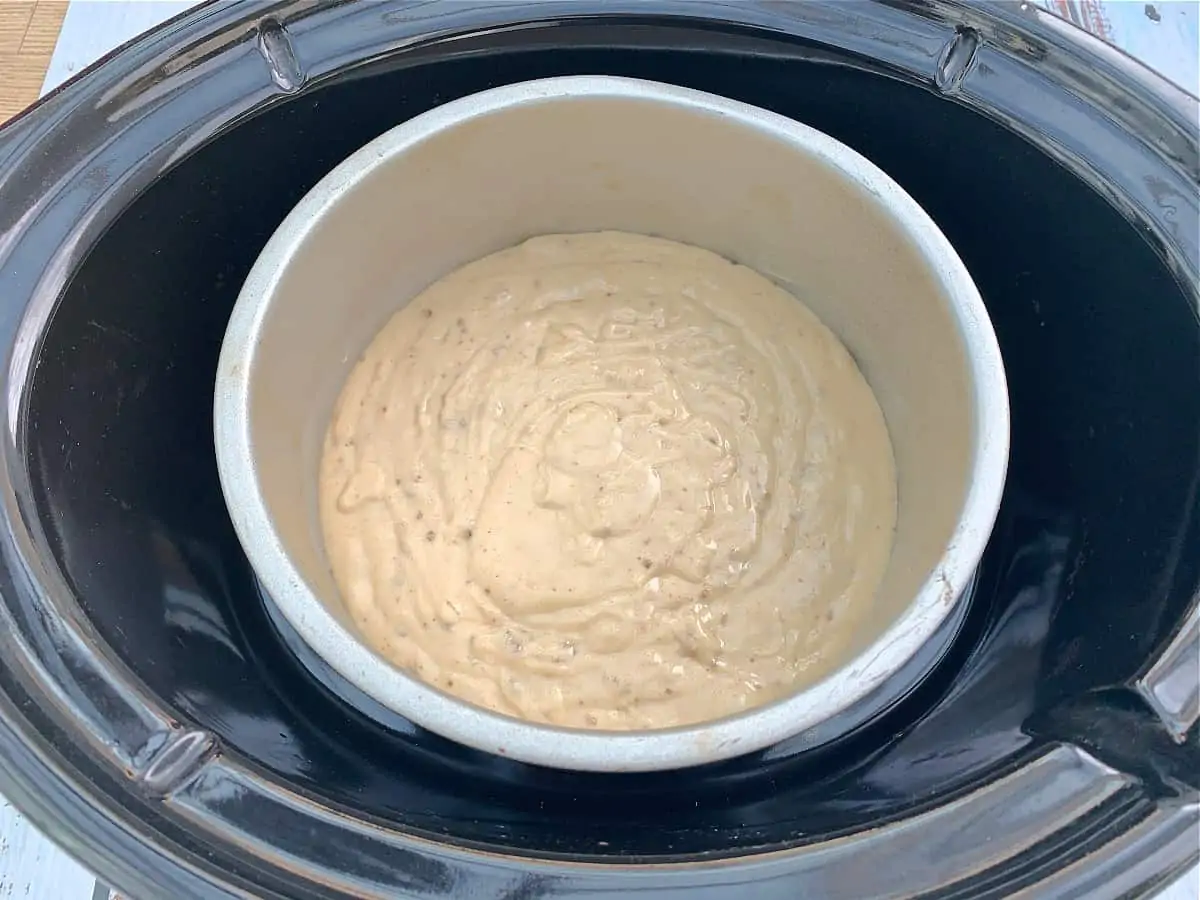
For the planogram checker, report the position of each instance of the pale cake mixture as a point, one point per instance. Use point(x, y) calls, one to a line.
point(608, 481)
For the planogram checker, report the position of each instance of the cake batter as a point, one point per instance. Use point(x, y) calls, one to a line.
point(608, 481)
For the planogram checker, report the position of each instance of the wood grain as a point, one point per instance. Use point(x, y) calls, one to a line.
point(28, 33)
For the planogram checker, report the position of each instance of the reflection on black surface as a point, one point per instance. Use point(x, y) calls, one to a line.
point(1114, 727)
point(1089, 566)
point(406, 870)
point(1000, 680)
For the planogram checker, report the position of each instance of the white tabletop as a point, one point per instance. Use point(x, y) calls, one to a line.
point(1164, 34)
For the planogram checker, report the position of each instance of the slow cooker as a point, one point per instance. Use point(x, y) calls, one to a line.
point(158, 724)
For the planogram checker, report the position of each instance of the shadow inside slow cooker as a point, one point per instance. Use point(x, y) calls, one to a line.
point(1084, 575)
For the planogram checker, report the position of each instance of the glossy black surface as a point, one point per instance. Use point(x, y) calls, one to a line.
point(1029, 723)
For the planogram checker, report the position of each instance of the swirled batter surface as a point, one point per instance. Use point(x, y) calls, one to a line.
point(608, 481)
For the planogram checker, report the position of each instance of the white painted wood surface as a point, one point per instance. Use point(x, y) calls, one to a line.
point(32, 867)
point(1164, 34)
point(92, 28)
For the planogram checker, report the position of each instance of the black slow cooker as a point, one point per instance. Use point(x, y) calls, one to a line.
point(154, 721)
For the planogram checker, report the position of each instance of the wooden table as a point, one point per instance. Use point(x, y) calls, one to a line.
point(28, 35)
point(44, 42)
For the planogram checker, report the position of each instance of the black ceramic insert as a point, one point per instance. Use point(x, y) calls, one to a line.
point(181, 714)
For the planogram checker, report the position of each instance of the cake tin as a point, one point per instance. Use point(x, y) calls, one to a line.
point(596, 153)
